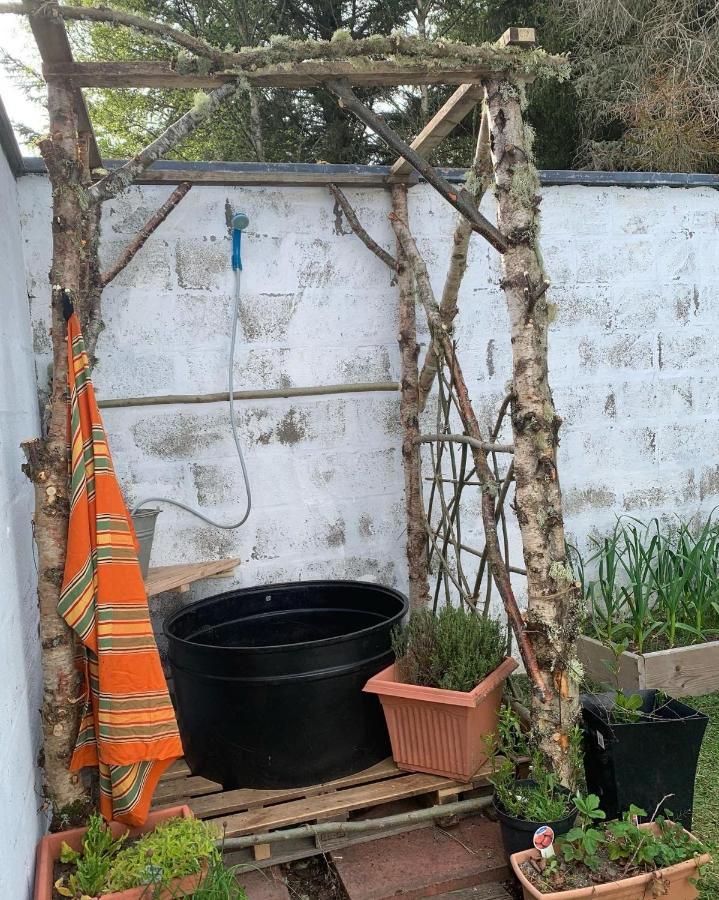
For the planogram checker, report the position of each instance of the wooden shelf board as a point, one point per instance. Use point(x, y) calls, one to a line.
point(179, 577)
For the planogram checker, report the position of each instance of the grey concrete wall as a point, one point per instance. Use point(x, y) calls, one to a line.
point(635, 275)
point(21, 819)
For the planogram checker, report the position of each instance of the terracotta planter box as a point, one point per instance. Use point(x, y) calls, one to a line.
point(679, 672)
point(48, 852)
point(437, 731)
point(677, 880)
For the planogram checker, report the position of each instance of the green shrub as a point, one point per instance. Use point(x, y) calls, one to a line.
point(176, 848)
point(92, 863)
point(454, 649)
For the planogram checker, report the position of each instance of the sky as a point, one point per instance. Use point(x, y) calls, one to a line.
point(17, 41)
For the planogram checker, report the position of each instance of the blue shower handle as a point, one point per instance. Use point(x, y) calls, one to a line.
point(236, 249)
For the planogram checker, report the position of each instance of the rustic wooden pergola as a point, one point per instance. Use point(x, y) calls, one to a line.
point(494, 75)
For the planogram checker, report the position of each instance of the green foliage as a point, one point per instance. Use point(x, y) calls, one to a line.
point(646, 75)
point(220, 883)
point(622, 841)
point(654, 587)
point(544, 800)
point(625, 708)
point(93, 863)
point(175, 848)
point(454, 649)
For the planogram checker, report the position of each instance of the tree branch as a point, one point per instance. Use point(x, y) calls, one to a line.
point(460, 200)
point(144, 233)
point(356, 226)
point(417, 563)
point(120, 17)
point(484, 473)
point(479, 178)
point(413, 48)
point(117, 181)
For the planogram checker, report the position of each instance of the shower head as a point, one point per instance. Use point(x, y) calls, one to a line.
point(240, 221)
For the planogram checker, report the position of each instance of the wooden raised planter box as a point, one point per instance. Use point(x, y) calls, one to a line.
point(679, 672)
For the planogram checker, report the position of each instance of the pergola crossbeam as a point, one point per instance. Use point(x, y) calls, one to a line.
point(308, 74)
point(444, 121)
point(52, 42)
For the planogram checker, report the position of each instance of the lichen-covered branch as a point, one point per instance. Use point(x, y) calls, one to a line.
point(409, 418)
point(356, 226)
point(553, 607)
point(479, 178)
point(283, 50)
point(144, 233)
point(488, 484)
point(116, 182)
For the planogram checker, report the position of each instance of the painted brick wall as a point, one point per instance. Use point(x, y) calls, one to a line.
point(21, 821)
point(635, 276)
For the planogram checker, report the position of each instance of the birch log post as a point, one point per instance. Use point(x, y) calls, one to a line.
point(47, 467)
point(409, 418)
point(553, 606)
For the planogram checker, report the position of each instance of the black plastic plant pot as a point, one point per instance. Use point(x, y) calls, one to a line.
point(651, 763)
point(517, 834)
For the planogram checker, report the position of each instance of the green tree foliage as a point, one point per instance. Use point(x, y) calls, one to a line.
point(647, 74)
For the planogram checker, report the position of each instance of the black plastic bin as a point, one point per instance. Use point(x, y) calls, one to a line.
point(268, 681)
point(645, 761)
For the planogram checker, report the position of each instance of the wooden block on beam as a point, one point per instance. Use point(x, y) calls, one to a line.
point(518, 37)
point(262, 851)
point(444, 121)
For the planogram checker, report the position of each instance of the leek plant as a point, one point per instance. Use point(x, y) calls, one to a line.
point(655, 587)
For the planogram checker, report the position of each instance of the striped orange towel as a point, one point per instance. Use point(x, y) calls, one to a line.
point(128, 727)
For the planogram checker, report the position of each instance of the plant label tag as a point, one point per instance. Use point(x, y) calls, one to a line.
point(600, 740)
point(543, 841)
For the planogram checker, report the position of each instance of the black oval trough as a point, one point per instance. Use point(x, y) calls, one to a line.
point(268, 681)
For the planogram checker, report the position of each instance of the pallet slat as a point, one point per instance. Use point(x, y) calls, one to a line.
point(227, 802)
point(310, 809)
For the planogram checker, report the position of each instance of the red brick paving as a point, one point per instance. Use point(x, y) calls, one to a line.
point(424, 863)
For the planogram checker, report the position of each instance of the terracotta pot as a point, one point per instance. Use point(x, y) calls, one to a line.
point(676, 879)
point(48, 852)
point(437, 731)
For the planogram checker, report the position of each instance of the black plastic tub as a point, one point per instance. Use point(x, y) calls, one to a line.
point(268, 681)
point(517, 834)
point(651, 763)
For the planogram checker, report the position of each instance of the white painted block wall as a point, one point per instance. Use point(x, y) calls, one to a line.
point(21, 819)
point(635, 275)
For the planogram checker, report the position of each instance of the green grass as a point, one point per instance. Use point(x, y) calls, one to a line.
point(706, 793)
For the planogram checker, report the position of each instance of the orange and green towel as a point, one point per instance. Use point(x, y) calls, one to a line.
point(128, 727)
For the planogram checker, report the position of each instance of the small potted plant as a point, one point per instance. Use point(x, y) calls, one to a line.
point(522, 805)
point(168, 855)
point(642, 747)
point(617, 860)
point(441, 697)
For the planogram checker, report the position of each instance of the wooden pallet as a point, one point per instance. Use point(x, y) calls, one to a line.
point(362, 795)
